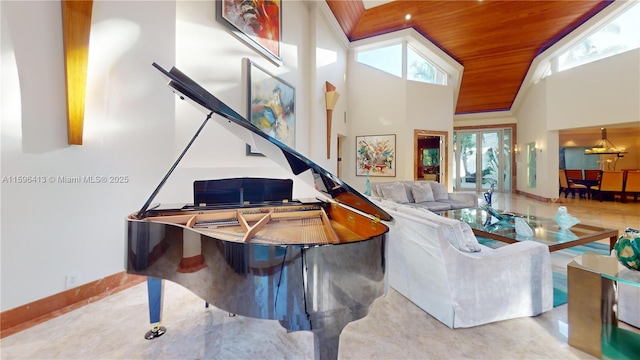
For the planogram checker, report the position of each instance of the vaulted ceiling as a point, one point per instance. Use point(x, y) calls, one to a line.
point(495, 40)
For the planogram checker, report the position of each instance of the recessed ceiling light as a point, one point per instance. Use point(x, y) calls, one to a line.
point(407, 17)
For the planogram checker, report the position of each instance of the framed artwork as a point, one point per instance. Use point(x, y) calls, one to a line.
point(258, 23)
point(271, 105)
point(375, 155)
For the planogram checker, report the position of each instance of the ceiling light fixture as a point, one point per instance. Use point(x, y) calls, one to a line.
point(605, 147)
point(407, 17)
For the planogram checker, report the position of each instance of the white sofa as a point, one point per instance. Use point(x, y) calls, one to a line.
point(438, 264)
point(423, 194)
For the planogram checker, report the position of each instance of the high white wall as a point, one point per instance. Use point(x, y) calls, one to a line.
point(601, 93)
point(328, 64)
point(53, 229)
point(595, 94)
point(532, 129)
point(383, 104)
point(134, 127)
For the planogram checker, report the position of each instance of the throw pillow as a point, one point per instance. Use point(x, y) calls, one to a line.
point(422, 192)
point(407, 189)
point(439, 191)
point(394, 192)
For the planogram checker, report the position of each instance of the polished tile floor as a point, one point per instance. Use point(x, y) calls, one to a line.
point(114, 327)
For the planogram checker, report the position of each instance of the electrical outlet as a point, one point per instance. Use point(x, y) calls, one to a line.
point(71, 281)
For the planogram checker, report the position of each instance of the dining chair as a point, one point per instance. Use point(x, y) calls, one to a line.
point(591, 174)
point(610, 182)
point(574, 174)
point(567, 186)
point(631, 185)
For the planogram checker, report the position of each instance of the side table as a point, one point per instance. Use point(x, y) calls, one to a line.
point(593, 282)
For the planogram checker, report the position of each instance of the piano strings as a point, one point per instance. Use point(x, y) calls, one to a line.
point(303, 224)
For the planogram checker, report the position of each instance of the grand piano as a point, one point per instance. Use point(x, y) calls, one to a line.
point(246, 246)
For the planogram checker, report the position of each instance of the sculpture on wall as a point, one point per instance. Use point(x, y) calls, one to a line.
point(331, 97)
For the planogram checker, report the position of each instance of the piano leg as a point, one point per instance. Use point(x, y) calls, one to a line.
point(154, 290)
point(325, 345)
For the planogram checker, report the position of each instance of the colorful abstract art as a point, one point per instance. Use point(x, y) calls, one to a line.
point(271, 105)
point(375, 155)
point(256, 22)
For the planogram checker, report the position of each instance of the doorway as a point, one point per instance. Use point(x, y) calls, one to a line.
point(339, 142)
point(430, 155)
point(482, 157)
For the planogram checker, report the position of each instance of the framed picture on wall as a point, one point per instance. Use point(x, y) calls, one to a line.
point(271, 105)
point(375, 155)
point(257, 23)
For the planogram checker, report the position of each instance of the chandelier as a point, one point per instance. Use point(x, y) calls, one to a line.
point(605, 147)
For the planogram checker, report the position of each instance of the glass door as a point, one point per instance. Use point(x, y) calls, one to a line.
point(483, 159)
point(465, 160)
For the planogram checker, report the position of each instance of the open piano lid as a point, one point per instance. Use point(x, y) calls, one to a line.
point(323, 181)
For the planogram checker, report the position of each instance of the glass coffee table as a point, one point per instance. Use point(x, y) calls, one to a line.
point(545, 230)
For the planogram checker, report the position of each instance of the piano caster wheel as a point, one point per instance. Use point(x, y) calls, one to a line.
point(232, 315)
point(155, 332)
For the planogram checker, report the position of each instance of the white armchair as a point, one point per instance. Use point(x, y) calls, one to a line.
point(465, 289)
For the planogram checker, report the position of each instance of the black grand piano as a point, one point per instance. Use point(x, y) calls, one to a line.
point(246, 246)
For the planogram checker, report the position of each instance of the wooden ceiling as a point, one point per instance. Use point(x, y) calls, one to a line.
point(495, 40)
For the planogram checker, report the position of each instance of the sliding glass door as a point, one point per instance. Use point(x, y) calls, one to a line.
point(482, 158)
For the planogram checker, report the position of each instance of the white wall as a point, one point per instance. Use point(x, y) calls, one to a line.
point(376, 107)
point(532, 129)
point(429, 107)
point(596, 94)
point(605, 92)
point(382, 104)
point(52, 229)
point(134, 127)
point(329, 64)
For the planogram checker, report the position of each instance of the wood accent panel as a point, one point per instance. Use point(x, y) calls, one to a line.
point(76, 29)
point(495, 40)
point(34, 313)
point(350, 13)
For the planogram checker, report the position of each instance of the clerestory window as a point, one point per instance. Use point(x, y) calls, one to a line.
point(387, 59)
point(619, 35)
point(390, 59)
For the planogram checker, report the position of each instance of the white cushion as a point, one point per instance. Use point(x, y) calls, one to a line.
point(439, 191)
point(422, 192)
point(394, 192)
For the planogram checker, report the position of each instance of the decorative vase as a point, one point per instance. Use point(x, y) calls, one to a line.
point(367, 184)
point(627, 249)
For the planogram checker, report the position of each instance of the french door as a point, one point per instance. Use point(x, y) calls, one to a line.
point(482, 158)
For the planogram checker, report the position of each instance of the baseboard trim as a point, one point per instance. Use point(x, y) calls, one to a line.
point(39, 311)
point(536, 197)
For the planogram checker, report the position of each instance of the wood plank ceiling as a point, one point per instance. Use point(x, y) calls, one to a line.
point(495, 40)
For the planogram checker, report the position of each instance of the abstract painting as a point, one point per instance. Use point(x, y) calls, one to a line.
point(375, 155)
point(256, 22)
point(271, 105)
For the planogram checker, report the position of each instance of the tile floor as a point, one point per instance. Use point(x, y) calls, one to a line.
point(114, 327)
